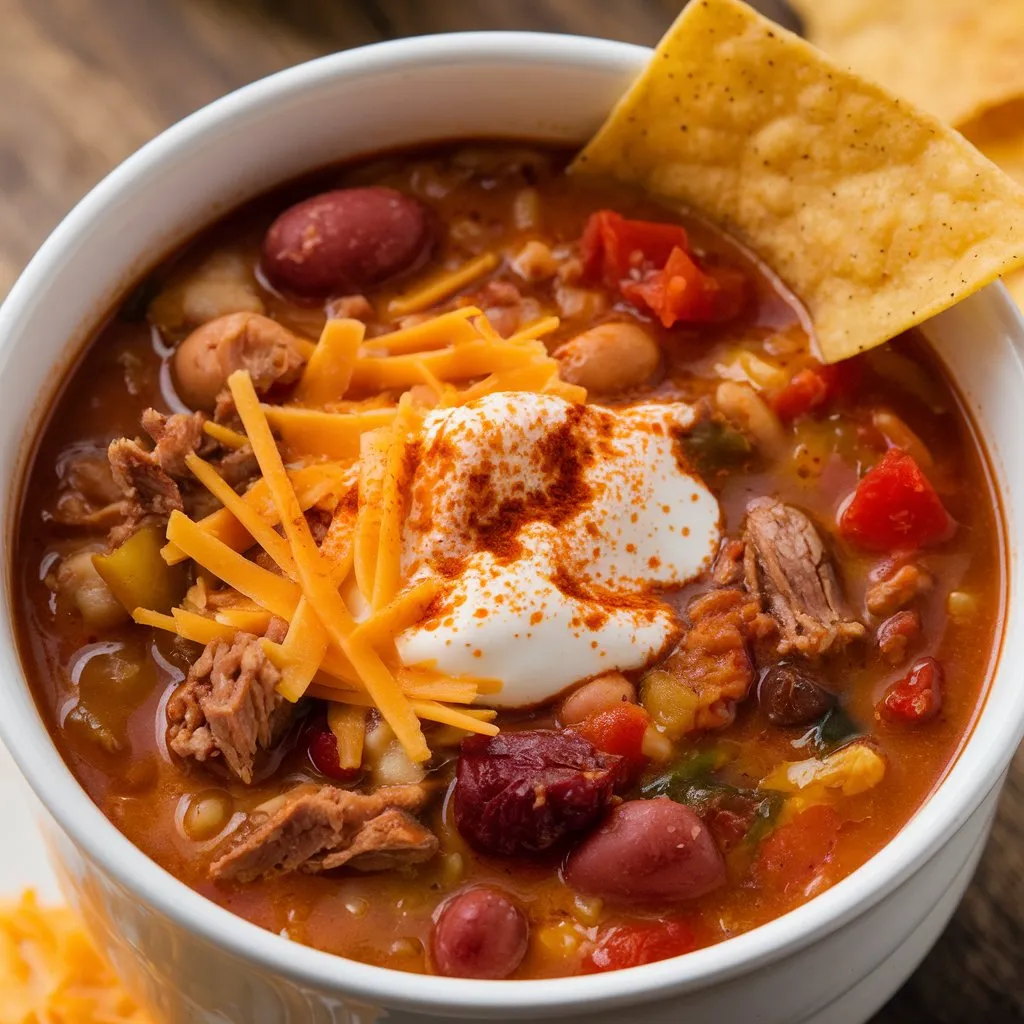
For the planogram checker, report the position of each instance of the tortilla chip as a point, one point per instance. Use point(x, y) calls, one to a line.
point(876, 215)
point(954, 58)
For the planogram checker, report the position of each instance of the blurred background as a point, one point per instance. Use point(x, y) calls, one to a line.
point(83, 83)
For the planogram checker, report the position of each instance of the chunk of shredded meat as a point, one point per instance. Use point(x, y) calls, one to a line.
point(787, 567)
point(330, 828)
point(89, 498)
point(712, 666)
point(897, 590)
point(149, 479)
point(228, 706)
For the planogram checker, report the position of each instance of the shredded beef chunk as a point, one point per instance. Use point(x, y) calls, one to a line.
point(331, 827)
point(698, 686)
point(89, 497)
point(175, 437)
point(787, 566)
point(147, 479)
point(228, 706)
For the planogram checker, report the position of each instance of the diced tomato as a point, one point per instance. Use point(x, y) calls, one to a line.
point(895, 506)
point(614, 248)
point(643, 942)
point(806, 391)
point(618, 730)
point(322, 748)
point(795, 854)
point(684, 293)
point(814, 387)
point(650, 264)
point(917, 697)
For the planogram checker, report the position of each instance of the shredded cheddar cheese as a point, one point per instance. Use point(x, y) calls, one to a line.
point(441, 286)
point(225, 435)
point(343, 598)
point(315, 578)
point(51, 973)
point(331, 434)
point(260, 531)
point(388, 573)
point(439, 332)
point(329, 371)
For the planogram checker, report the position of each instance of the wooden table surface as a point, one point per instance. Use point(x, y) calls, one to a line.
point(83, 83)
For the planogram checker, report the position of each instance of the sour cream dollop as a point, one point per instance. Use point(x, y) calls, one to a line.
point(553, 524)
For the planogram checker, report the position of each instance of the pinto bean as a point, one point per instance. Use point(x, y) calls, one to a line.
point(211, 353)
point(480, 933)
point(78, 581)
point(743, 406)
point(346, 241)
point(788, 697)
point(610, 358)
point(598, 695)
point(647, 851)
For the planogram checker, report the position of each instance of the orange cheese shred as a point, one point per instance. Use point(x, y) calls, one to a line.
point(537, 329)
point(277, 595)
point(451, 328)
point(225, 435)
point(388, 572)
point(470, 719)
point(366, 533)
point(302, 652)
point(313, 484)
point(51, 973)
point(439, 287)
point(246, 620)
point(318, 586)
point(348, 724)
point(334, 435)
point(329, 371)
point(261, 532)
point(404, 611)
point(461, 362)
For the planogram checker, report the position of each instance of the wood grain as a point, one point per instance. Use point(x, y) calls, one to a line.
point(85, 82)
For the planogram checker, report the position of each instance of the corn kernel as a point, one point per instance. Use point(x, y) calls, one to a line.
point(587, 910)
point(560, 938)
point(961, 605)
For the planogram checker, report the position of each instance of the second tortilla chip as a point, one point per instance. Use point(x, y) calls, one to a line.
point(877, 215)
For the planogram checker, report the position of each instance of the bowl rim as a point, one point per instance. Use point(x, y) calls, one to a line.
point(977, 771)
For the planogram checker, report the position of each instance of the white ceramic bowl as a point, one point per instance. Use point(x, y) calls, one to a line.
point(835, 959)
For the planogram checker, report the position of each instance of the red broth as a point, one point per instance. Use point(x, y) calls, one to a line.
point(103, 686)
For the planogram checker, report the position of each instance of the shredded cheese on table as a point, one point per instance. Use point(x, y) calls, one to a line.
point(50, 972)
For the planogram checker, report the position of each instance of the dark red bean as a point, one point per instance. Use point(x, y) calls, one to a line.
point(788, 697)
point(521, 793)
point(346, 241)
point(479, 933)
point(647, 851)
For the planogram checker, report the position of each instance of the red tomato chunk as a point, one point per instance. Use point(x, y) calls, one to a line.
point(651, 265)
point(618, 730)
point(796, 853)
point(895, 506)
point(630, 945)
point(917, 697)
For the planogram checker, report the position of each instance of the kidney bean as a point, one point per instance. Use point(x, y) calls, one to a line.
point(647, 851)
point(788, 697)
point(345, 241)
point(479, 933)
point(521, 793)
